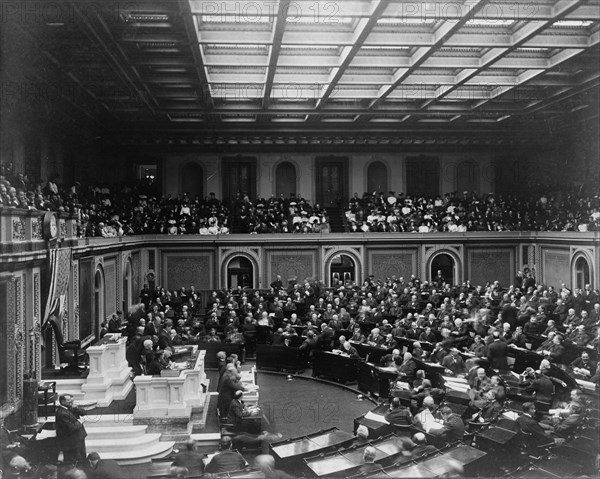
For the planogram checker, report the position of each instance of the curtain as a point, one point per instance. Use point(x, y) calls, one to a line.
point(60, 270)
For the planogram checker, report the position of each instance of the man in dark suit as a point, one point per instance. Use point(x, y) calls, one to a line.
point(489, 407)
point(190, 459)
point(497, 353)
point(454, 362)
point(69, 431)
point(530, 426)
point(225, 460)
point(542, 387)
point(398, 415)
point(584, 366)
point(454, 427)
point(103, 468)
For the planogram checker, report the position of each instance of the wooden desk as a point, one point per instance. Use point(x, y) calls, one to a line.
point(313, 444)
point(334, 366)
point(416, 471)
point(328, 466)
point(280, 357)
point(375, 380)
point(372, 354)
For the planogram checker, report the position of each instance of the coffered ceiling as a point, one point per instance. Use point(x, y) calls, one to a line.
point(196, 68)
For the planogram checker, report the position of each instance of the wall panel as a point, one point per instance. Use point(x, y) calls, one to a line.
point(556, 265)
point(291, 264)
point(384, 263)
point(187, 269)
point(491, 264)
point(110, 287)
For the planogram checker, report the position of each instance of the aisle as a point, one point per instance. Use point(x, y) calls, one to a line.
point(304, 406)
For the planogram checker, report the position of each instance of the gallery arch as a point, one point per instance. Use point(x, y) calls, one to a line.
point(581, 271)
point(240, 273)
point(444, 264)
point(285, 179)
point(377, 177)
point(192, 180)
point(342, 268)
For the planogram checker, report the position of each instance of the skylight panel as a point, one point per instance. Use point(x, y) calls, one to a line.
point(309, 47)
point(384, 47)
point(320, 19)
point(405, 21)
point(490, 22)
point(573, 23)
point(237, 18)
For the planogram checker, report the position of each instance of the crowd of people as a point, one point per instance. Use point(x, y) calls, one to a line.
point(278, 215)
point(537, 210)
point(138, 208)
point(443, 323)
point(306, 314)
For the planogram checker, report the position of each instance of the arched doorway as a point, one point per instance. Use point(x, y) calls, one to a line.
point(467, 177)
point(445, 263)
point(192, 180)
point(342, 269)
point(377, 177)
point(240, 273)
point(127, 287)
point(285, 179)
point(99, 315)
point(581, 272)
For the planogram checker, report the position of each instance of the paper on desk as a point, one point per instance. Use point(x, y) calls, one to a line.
point(433, 426)
point(512, 415)
point(45, 434)
point(455, 380)
point(458, 387)
point(588, 385)
point(376, 417)
point(402, 385)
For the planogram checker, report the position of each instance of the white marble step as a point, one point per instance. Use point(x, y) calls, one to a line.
point(114, 436)
point(126, 457)
point(107, 420)
point(206, 439)
point(103, 420)
point(116, 444)
point(116, 433)
point(72, 387)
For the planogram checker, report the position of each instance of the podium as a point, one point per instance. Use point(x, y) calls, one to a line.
point(108, 379)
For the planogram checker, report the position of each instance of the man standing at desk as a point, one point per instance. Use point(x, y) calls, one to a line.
point(70, 432)
point(497, 353)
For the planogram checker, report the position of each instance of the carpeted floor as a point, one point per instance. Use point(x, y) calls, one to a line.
point(304, 406)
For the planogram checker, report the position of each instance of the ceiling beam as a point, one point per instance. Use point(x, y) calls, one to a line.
point(109, 54)
point(39, 46)
point(529, 75)
point(441, 35)
point(590, 81)
point(361, 32)
point(519, 38)
point(190, 29)
point(279, 23)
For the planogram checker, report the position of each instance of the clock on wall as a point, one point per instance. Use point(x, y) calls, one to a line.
point(50, 225)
